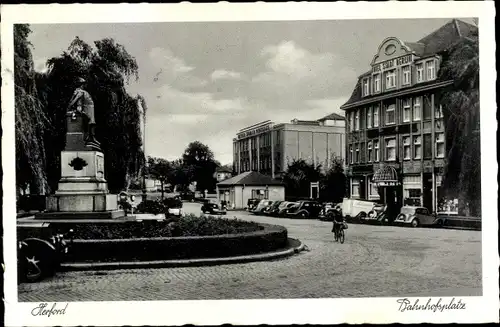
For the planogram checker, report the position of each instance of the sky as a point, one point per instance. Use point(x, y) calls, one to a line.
point(204, 81)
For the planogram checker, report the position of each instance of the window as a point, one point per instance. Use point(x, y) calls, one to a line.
point(260, 194)
point(427, 106)
point(439, 145)
point(431, 70)
point(417, 147)
point(412, 196)
point(351, 121)
point(373, 189)
point(420, 72)
point(390, 114)
point(350, 154)
point(357, 153)
point(375, 116)
point(427, 146)
point(439, 112)
point(406, 75)
point(356, 121)
point(376, 156)
point(376, 83)
point(406, 110)
point(390, 79)
point(366, 87)
point(390, 149)
point(417, 109)
point(370, 151)
point(406, 148)
point(355, 187)
point(369, 121)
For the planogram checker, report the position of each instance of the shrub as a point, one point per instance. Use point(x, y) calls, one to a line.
point(189, 225)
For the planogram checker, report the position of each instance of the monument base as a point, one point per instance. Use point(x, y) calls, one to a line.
point(82, 202)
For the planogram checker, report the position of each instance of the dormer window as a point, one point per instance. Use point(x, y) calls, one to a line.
point(376, 83)
point(390, 79)
point(431, 70)
point(420, 72)
point(366, 87)
point(406, 75)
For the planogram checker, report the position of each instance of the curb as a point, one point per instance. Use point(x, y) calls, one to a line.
point(294, 249)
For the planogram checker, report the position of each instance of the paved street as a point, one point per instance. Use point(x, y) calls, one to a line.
point(375, 261)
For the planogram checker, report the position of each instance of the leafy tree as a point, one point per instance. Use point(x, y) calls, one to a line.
point(160, 170)
point(200, 165)
point(298, 178)
point(333, 186)
point(462, 178)
point(107, 68)
point(31, 120)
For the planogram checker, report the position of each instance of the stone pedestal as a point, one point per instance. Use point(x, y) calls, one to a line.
point(82, 192)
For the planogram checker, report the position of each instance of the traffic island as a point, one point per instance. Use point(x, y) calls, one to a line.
point(189, 240)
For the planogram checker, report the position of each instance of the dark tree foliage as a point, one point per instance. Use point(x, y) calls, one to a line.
point(199, 164)
point(462, 178)
point(333, 186)
point(298, 178)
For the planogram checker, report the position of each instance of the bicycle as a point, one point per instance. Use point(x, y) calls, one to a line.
point(340, 235)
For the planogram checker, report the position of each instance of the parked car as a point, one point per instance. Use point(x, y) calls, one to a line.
point(377, 214)
point(352, 208)
point(39, 258)
point(252, 204)
point(174, 206)
point(304, 209)
point(282, 208)
point(261, 206)
point(327, 211)
point(415, 216)
point(271, 208)
point(212, 208)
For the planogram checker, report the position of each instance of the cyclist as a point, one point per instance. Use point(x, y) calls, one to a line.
point(338, 220)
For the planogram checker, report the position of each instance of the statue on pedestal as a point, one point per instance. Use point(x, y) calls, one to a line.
point(81, 103)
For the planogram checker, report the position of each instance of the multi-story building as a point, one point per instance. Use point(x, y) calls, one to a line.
point(395, 128)
point(268, 147)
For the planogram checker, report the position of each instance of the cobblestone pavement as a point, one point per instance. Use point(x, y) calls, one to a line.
point(374, 261)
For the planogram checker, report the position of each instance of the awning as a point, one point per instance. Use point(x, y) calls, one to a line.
point(386, 176)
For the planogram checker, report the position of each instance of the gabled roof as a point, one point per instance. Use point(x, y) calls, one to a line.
point(432, 44)
point(251, 178)
point(332, 116)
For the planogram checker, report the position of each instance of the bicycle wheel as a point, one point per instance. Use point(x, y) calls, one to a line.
point(341, 236)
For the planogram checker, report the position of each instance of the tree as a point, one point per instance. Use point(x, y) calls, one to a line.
point(30, 117)
point(462, 177)
point(107, 68)
point(198, 161)
point(298, 178)
point(161, 170)
point(333, 186)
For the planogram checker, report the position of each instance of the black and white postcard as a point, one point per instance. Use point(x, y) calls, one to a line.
point(207, 164)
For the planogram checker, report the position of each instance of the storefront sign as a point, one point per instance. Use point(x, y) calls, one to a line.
point(382, 183)
point(255, 131)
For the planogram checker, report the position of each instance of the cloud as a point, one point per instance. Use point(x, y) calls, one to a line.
point(225, 74)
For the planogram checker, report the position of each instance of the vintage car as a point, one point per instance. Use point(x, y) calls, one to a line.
point(329, 210)
point(353, 208)
point(252, 204)
point(415, 216)
point(282, 208)
point(377, 214)
point(212, 208)
point(272, 208)
point(304, 209)
point(259, 209)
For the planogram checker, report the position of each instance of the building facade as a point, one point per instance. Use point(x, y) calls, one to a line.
point(268, 148)
point(395, 128)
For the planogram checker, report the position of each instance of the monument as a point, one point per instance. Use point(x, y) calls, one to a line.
point(82, 191)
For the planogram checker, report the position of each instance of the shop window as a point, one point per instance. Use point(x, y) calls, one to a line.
point(406, 148)
point(412, 197)
point(390, 149)
point(376, 151)
point(417, 147)
point(420, 72)
point(406, 75)
point(375, 116)
point(390, 114)
point(372, 189)
point(376, 82)
point(417, 109)
point(427, 146)
point(440, 145)
point(406, 110)
point(355, 187)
